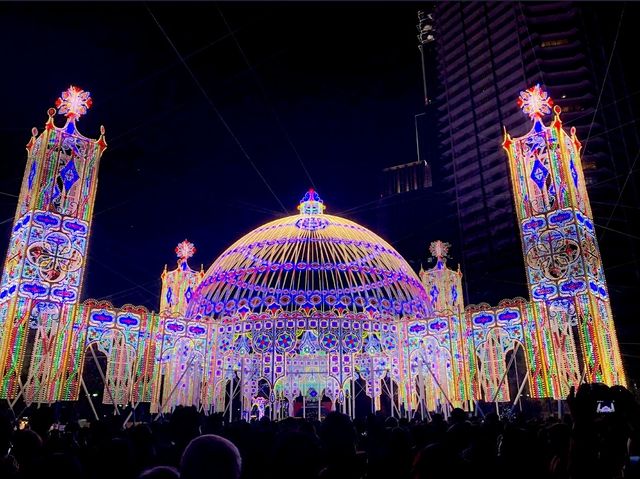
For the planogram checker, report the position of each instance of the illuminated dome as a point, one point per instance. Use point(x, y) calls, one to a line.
point(312, 264)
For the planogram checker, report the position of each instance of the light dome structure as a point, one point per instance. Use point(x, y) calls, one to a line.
point(312, 264)
point(304, 306)
point(308, 312)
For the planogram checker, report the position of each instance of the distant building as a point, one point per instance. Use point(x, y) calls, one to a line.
point(483, 54)
point(407, 177)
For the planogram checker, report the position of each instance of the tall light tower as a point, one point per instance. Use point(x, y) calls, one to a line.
point(42, 277)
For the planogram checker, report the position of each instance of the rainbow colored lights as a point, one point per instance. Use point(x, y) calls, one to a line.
point(310, 310)
point(42, 278)
point(569, 314)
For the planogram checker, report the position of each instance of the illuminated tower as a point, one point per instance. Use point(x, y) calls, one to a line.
point(445, 349)
point(574, 327)
point(443, 284)
point(183, 345)
point(178, 285)
point(42, 276)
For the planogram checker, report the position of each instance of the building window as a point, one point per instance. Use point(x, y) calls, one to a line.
point(572, 108)
point(405, 178)
point(554, 43)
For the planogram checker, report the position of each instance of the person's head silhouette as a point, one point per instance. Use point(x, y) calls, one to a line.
point(210, 457)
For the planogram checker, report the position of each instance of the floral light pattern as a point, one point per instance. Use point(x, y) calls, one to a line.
point(74, 102)
point(535, 102)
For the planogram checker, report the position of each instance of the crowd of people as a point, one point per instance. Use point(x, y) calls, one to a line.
point(598, 438)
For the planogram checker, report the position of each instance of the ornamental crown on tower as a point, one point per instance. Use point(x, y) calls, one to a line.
point(535, 102)
point(440, 251)
point(74, 102)
point(185, 250)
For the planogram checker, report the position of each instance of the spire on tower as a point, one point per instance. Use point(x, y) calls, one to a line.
point(440, 251)
point(185, 250)
point(311, 203)
point(535, 102)
point(74, 102)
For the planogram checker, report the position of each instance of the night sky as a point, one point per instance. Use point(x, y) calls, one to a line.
point(331, 88)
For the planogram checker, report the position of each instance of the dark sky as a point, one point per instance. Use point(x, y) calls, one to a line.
point(339, 83)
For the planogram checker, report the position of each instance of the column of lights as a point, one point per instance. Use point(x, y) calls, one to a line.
point(551, 199)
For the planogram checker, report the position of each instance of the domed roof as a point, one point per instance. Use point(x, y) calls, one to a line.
point(310, 264)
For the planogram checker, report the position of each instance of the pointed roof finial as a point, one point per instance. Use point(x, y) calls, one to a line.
point(440, 251)
point(74, 102)
point(185, 250)
point(311, 203)
point(535, 102)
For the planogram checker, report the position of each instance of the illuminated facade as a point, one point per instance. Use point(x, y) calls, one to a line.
point(307, 311)
point(576, 338)
point(42, 278)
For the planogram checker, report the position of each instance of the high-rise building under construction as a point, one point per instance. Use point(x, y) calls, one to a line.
point(477, 57)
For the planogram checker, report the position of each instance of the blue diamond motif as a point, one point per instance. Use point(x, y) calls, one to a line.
point(434, 294)
point(69, 175)
point(539, 174)
point(537, 126)
point(32, 174)
point(574, 173)
point(56, 193)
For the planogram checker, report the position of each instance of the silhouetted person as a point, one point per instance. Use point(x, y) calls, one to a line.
point(338, 437)
point(210, 457)
point(59, 466)
point(433, 462)
point(115, 461)
point(160, 472)
point(144, 452)
point(300, 451)
point(27, 449)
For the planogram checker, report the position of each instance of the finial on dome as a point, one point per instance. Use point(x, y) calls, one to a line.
point(185, 250)
point(311, 203)
point(535, 102)
point(74, 102)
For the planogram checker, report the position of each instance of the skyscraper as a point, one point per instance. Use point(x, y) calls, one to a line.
point(481, 55)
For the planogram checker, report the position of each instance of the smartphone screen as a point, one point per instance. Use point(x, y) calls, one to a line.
point(605, 407)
